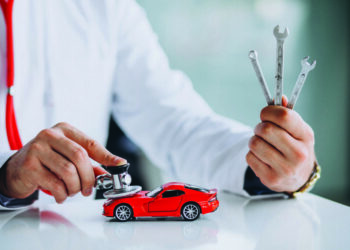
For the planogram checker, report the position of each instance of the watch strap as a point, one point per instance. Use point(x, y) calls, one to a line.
point(310, 183)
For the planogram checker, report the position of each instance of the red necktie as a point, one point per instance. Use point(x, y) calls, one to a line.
point(11, 124)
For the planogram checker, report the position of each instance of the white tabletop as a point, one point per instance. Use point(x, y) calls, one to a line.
point(309, 222)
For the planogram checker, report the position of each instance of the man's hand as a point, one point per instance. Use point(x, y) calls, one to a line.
point(57, 160)
point(282, 149)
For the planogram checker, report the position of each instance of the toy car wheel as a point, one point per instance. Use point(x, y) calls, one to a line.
point(190, 211)
point(123, 212)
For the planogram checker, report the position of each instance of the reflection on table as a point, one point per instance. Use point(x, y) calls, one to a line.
point(239, 223)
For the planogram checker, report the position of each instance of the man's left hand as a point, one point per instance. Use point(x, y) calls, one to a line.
point(282, 149)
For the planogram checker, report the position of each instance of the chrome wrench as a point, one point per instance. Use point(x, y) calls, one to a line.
point(306, 67)
point(280, 37)
point(253, 56)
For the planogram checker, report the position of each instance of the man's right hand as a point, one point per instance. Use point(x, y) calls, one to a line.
point(57, 160)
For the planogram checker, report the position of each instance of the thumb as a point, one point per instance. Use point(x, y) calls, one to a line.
point(284, 101)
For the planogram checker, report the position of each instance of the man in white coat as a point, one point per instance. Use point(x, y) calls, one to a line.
point(78, 61)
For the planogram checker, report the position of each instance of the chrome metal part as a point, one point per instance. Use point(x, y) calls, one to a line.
point(190, 212)
point(253, 56)
point(126, 179)
point(123, 213)
point(306, 67)
point(280, 37)
point(104, 181)
point(119, 180)
point(117, 184)
point(11, 91)
point(117, 193)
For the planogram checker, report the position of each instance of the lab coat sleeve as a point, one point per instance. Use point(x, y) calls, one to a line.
point(160, 111)
point(7, 203)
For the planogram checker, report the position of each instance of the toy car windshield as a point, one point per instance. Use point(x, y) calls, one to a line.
point(154, 192)
point(197, 188)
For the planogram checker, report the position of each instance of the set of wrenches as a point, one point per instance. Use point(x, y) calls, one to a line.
point(306, 67)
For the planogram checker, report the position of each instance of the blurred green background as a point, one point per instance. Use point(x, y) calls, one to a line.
point(210, 40)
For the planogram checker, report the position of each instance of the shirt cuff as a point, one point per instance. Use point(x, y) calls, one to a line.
point(254, 187)
point(7, 203)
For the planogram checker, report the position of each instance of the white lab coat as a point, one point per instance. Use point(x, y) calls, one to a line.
point(78, 61)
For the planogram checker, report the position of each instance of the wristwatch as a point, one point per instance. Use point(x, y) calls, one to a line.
point(310, 183)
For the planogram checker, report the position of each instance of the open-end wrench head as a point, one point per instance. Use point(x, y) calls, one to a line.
point(253, 54)
point(278, 34)
point(305, 63)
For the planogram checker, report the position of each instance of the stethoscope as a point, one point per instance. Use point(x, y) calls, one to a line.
point(13, 136)
point(118, 179)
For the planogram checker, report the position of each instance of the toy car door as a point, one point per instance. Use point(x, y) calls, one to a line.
point(166, 201)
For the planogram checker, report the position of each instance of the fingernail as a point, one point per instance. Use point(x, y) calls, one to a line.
point(87, 191)
point(120, 161)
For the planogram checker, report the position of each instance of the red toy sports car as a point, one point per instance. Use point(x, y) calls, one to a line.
point(172, 199)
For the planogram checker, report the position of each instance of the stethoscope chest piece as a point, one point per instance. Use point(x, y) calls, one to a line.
point(117, 193)
point(119, 180)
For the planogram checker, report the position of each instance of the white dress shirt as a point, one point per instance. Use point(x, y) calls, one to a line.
point(78, 61)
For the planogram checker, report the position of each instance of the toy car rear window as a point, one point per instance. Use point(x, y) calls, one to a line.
point(197, 188)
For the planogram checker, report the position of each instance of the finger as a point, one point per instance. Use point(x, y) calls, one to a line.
point(289, 120)
point(284, 101)
point(94, 149)
point(64, 170)
point(264, 172)
point(278, 138)
point(50, 182)
point(266, 153)
point(76, 155)
point(99, 171)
